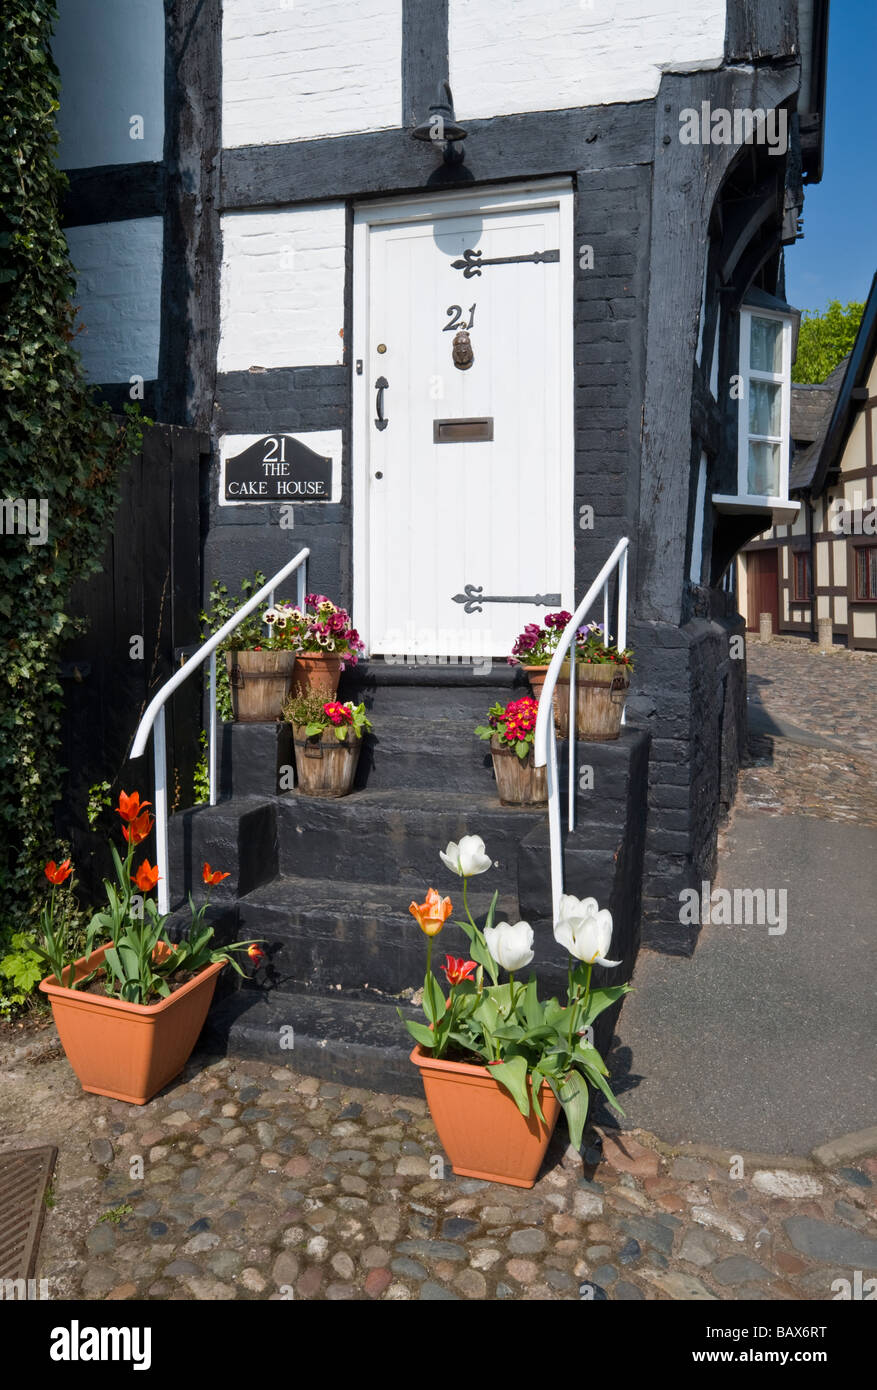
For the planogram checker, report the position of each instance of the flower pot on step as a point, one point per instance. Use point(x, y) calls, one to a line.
point(128, 1051)
point(260, 682)
point(601, 690)
point(326, 765)
point(316, 674)
point(479, 1125)
point(518, 780)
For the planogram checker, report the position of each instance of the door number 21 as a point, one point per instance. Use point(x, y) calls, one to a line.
point(454, 313)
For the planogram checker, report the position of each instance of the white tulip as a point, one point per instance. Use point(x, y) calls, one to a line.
point(584, 930)
point(510, 946)
point(467, 858)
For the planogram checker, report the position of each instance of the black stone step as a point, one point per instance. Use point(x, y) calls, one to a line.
point(441, 690)
point(324, 935)
point(394, 835)
point(341, 1039)
point(237, 837)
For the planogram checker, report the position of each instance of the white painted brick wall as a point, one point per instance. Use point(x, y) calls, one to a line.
point(282, 293)
point(542, 55)
point(111, 60)
point(299, 69)
point(118, 293)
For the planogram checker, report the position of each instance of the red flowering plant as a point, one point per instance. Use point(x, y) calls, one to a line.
point(514, 725)
point(320, 628)
point(141, 963)
point(536, 645)
point(317, 717)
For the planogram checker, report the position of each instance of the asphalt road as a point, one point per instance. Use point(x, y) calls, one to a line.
point(764, 1042)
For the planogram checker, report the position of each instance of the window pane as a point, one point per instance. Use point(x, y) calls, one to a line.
point(763, 476)
point(866, 573)
point(766, 345)
point(765, 401)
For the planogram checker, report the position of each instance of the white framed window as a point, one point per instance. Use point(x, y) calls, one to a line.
point(763, 434)
point(764, 402)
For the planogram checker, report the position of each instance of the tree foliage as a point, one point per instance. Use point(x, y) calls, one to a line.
point(825, 339)
point(58, 446)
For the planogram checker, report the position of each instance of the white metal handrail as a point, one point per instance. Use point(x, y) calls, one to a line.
point(545, 741)
point(154, 715)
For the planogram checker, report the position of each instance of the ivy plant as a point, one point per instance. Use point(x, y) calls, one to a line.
point(61, 455)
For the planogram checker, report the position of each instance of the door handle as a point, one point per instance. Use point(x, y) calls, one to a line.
point(381, 386)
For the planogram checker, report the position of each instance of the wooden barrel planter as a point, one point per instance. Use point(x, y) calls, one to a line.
point(316, 674)
point(601, 691)
point(325, 766)
point(518, 780)
point(260, 683)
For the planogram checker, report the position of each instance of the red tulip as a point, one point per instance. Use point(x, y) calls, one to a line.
point(457, 970)
point(138, 829)
point(146, 877)
point(130, 807)
point(212, 876)
point(57, 873)
point(255, 954)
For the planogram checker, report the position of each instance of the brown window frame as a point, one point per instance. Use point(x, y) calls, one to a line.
point(871, 548)
point(798, 597)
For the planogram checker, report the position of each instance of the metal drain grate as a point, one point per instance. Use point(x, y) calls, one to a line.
point(24, 1177)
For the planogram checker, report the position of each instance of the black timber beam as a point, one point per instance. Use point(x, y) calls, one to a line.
point(504, 147)
point(425, 61)
point(113, 193)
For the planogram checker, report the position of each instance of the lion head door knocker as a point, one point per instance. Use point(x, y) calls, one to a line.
point(462, 352)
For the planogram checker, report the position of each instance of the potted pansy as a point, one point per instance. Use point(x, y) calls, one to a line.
point(510, 730)
point(129, 1011)
point(535, 647)
point(259, 656)
point(328, 737)
point(603, 672)
point(497, 1063)
point(325, 643)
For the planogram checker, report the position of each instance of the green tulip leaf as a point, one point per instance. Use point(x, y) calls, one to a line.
point(513, 1076)
point(572, 1093)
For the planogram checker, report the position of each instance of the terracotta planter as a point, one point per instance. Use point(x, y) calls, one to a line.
point(260, 683)
point(129, 1051)
point(481, 1129)
point(325, 766)
point(601, 690)
point(316, 674)
point(518, 780)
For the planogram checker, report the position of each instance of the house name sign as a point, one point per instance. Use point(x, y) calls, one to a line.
point(278, 468)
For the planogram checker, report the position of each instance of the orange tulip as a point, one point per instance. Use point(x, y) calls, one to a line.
point(138, 829)
point(255, 954)
point(146, 877)
point(57, 873)
point(130, 807)
point(431, 915)
point(212, 876)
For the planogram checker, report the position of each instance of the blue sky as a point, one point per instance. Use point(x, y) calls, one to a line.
point(838, 254)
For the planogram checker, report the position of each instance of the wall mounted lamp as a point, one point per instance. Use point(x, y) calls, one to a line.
point(441, 127)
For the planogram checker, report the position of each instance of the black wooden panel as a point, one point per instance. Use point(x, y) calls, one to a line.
point(756, 29)
point(148, 587)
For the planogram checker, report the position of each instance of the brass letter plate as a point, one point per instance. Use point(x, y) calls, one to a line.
point(470, 431)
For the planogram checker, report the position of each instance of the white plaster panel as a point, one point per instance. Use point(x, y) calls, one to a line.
point(840, 562)
point(118, 296)
point(324, 442)
point(541, 55)
point(282, 288)
point(111, 61)
point(840, 611)
point(300, 69)
point(822, 563)
point(864, 623)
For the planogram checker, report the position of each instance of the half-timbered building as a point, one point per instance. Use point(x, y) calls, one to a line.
point(823, 565)
point(285, 213)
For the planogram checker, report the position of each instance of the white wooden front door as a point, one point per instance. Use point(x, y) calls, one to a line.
point(458, 537)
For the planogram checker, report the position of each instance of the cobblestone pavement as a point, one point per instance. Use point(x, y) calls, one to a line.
point(832, 695)
point(256, 1183)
